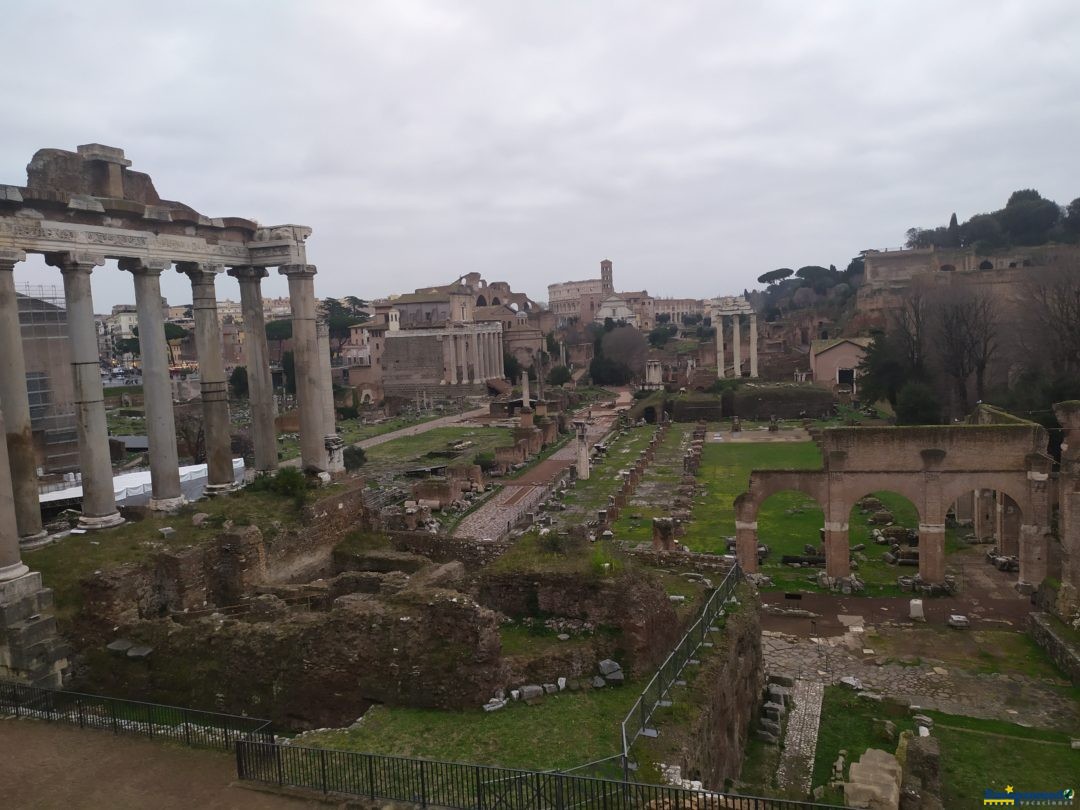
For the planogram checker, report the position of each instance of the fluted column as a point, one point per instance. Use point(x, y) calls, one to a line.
point(736, 345)
point(474, 341)
point(260, 384)
point(753, 345)
point(157, 389)
point(306, 359)
point(212, 382)
point(500, 363)
point(16, 407)
point(489, 360)
point(98, 502)
point(718, 322)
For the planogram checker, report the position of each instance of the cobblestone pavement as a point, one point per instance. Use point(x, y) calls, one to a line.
point(800, 738)
point(1010, 697)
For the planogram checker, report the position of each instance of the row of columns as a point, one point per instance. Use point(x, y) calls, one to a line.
point(317, 433)
point(476, 355)
point(736, 345)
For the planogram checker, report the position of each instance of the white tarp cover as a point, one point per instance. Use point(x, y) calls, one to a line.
point(133, 488)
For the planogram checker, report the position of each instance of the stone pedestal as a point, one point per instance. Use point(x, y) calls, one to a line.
point(16, 405)
point(260, 385)
point(157, 387)
point(663, 534)
point(213, 386)
point(31, 650)
point(98, 502)
point(582, 451)
point(932, 552)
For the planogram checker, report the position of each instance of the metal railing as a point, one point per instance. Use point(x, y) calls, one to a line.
point(655, 695)
point(188, 726)
point(470, 787)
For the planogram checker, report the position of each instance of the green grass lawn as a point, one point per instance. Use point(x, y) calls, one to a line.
point(975, 754)
point(654, 492)
point(562, 731)
point(591, 495)
point(409, 450)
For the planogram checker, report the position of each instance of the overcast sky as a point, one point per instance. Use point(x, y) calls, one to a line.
point(697, 145)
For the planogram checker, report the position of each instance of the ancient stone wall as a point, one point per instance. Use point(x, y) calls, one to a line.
point(440, 548)
point(1053, 639)
point(635, 604)
point(727, 691)
point(307, 669)
point(762, 402)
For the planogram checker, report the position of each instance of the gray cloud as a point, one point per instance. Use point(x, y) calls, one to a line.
point(695, 144)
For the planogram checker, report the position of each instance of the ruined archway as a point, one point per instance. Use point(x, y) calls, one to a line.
point(495, 301)
point(481, 301)
point(791, 523)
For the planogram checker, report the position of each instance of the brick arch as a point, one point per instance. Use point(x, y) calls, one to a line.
point(1016, 486)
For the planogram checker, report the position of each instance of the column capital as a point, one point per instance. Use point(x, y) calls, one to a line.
point(75, 262)
point(248, 271)
point(144, 267)
point(9, 257)
point(297, 270)
point(199, 271)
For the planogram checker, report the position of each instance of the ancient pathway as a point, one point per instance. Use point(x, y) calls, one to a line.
point(800, 738)
point(46, 766)
point(414, 430)
point(1011, 697)
point(492, 518)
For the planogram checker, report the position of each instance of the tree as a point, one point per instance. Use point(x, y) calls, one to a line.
point(123, 346)
point(954, 232)
point(560, 375)
point(279, 331)
point(511, 368)
point(1054, 303)
point(354, 457)
point(774, 276)
point(1072, 217)
point(910, 327)
point(665, 317)
point(174, 331)
point(238, 382)
point(605, 371)
point(955, 330)
point(882, 372)
point(626, 345)
point(661, 334)
point(917, 404)
point(288, 370)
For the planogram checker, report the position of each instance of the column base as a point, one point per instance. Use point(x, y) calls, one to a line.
point(214, 490)
point(32, 541)
point(167, 504)
point(12, 572)
point(335, 453)
point(92, 524)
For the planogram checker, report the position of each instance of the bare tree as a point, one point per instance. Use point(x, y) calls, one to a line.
point(1054, 304)
point(911, 324)
point(984, 329)
point(955, 340)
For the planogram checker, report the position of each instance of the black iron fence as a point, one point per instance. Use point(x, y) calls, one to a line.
point(189, 726)
point(470, 787)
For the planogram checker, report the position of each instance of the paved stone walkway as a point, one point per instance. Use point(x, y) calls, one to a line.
point(800, 737)
point(1013, 698)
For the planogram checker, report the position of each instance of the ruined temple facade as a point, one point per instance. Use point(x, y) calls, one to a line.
point(80, 209)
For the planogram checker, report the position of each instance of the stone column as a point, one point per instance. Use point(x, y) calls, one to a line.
point(746, 545)
point(260, 384)
point(157, 388)
point(582, 450)
point(525, 394)
point(718, 322)
point(932, 551)
point(736, 345)
point(837, 550)
point(11, 564)
point(98, 502)
point(753, 345)
point(482, 355)
point(475, 342)
point(306, 358)
point(1033, 553)
point(452, 340)
point(335, 447)
point(212, 382)
point(500, 357)
point(445, 340)
point(16, 405)
point(491, 355)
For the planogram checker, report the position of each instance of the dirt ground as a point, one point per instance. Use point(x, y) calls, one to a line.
point(47, 766)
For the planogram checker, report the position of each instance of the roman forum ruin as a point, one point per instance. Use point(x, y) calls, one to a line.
point(734, 307)
point(80, 209)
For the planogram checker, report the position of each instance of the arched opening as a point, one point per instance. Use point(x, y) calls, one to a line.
point(947, 268)
point(365, 398)
point(986, 264)
point(526, 306)
point(792, 525)
point(481, 301)
point(982, 527)
point(883, 535)
point(495, 301)
point(649, 415)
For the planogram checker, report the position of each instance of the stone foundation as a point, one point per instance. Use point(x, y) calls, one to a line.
point(1052, 638)
point(30, 649)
